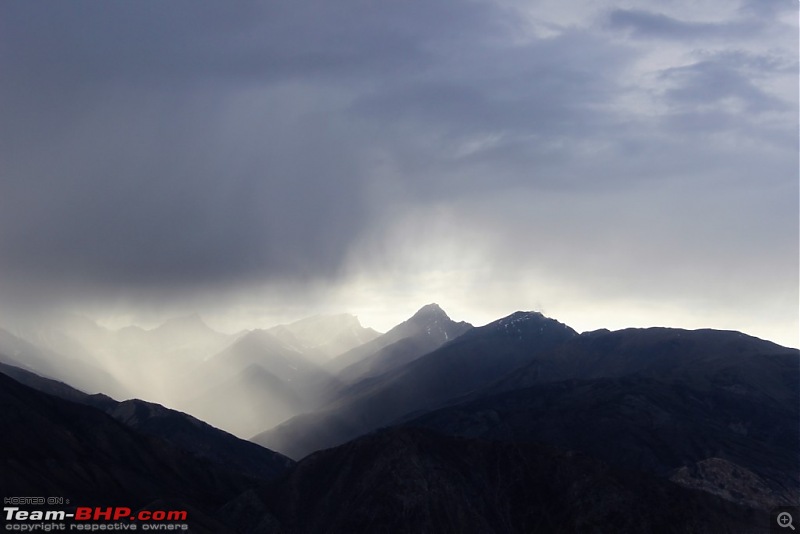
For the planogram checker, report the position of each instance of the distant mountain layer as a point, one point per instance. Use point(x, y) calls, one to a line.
point(424, 332)
point(257, 381)
point(247, 401)
point(162, 363)
point(325, 335)
point(429, 328)
point(471, 360)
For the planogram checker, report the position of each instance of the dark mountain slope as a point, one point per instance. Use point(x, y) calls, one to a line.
point(410, 480)
point(50, 446)
point(197, 438)
point(56, 388)
point(386, 359)
point(751, 384)
point(644, 424)
point(200, 439)
point(471, 361)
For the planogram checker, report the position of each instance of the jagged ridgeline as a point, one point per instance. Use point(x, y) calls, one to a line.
point(521, 425)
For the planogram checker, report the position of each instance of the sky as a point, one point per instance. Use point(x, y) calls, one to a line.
point(610, 164)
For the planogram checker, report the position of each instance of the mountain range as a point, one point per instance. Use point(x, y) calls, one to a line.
point(397, 480)
point(521, 425)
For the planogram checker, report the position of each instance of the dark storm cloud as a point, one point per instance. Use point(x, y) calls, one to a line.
point(154, 150)
point(526, 99)
point(151, 145)
point(124, 167)
point(138, 192)
point(150, 41)
point(546, 86)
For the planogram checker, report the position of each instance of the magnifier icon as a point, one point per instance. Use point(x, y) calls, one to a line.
point(785, 520)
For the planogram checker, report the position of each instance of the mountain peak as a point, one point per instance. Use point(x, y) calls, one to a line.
point(520, 316)
point(429, 312)
point(430, 320)
point(531, 322)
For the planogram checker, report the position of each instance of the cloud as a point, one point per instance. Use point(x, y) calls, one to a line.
point(286, 155)
point(187, 144)
point(729, 78)
point(648, 25)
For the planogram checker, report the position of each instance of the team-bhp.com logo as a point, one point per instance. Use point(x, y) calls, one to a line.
point(94, 518)
point(84, 513)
